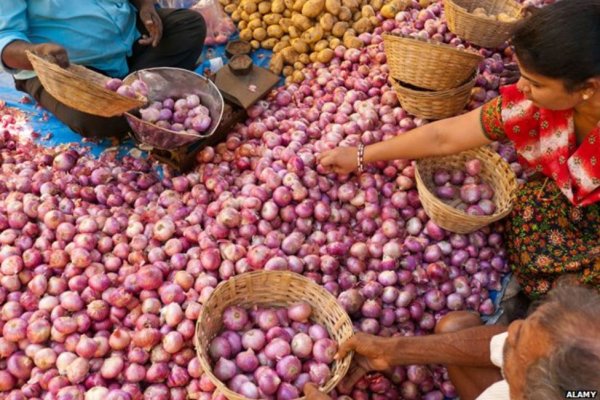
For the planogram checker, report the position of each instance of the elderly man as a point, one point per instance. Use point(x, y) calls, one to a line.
point(114, 37)
point(555, 350)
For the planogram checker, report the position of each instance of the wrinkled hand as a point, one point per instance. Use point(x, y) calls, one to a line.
point(370, 355)
point(342, 160)
point(153, 24)
point(52, 52)
point(312, 392)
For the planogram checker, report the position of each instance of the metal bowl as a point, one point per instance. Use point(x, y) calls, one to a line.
point(173, 82)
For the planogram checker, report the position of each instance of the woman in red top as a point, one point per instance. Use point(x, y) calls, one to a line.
point(552, 116)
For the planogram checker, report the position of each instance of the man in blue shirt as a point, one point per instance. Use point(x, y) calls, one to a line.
point(113, 37)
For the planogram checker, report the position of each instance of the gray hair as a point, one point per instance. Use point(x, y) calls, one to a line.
point(571, 317)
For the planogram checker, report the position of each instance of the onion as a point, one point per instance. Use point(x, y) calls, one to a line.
point(299, 312)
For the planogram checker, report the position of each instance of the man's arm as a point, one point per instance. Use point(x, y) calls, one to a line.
point(469, 347)
point(151, 21)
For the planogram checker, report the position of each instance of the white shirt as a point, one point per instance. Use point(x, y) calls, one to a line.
point(499, 390)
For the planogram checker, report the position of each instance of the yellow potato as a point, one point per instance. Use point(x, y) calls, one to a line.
point(277, 6)
point(345, 14)
point(233, 10)
point(313, 57)
point(375, 21)
point(264, 7)
point(246, 34)
point(300, 46)
point(288, 70)
point(280, 46)
point(268, 43)
point(313, 8)
point(321, 44)
point(289, 5)
point(301, 22)
point(255, 23)
point(327, 21)
point(351, 4)
point(298, 65)
point(276, 64)
point(367, 11)
point(304, 59)
point(249, 7)
point(297, 77)
point(244, 16)
point(287, 14)
point(352, 42)
point(275, 31)
point(314, 34)
point(334, 42)
point(242, 25)
point(333, 6)
point(285, 24)
point(290, 56)
point(362, 25)
point(298, 4)
point(339, 28)
point(325, 56)
point(271, 19)
point(376, 4)
point(294, 32)
point(503, 17)
point(255, 44)
point(389, 11)
point(259, 34)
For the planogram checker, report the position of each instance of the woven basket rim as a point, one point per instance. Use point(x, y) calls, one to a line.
point(508, 4)
point(426, 45)
point(432, 93)
point(229, 285)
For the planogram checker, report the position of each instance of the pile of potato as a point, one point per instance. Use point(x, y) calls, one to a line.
point(502, 17)
point(304, 31)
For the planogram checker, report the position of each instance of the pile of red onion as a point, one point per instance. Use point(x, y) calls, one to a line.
point(271, 353)
point(105, 264)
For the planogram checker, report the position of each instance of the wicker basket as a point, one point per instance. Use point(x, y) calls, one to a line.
point(485, 32)
point(81, 88)
point(272, 288)
point(495, 171)
point(419, 62)
point(433, 104)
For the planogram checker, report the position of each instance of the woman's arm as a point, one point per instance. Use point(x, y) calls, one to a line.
point(447, 136)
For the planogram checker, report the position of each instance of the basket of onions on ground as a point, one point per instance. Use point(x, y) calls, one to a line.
point(467, 191)
point(182, 106)
point(265, 334)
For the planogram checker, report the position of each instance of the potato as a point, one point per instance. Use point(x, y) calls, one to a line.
point(289, 5)
point(285, 24)
point(389, 11)
point(333, 6)
point(288, 70)
point(314, 34)
point(298, 65)
point(257, 16)
point(264, 7)
point(274, 31)
point(297, 77)
point(320, 45)
point(244, 16)
point(290, 56)
point(339, 28)
point(345, 14)
point(294, 32)
point(269, 43)
point(301, 22)
point(249, 7)
point(356, 16)
point(255, 44)
point(224, 2)
point(352, 42)
point(277, 6)
point(280, 46)
point(304, 59)
point(351, 4)
point(298, 4)
point(232, 9)
point(276, 64)
point(327, 21)
point(313, 8)
point(325, 55)
point(246, 34)
point(271, 19)
point(334, 42)
point(255, 24)
point(287, 14)
point(503, 17)
point(376, 4)
point(300, 46)
point(367, 11)
point(313, 57)
point(362, 25)
point(375, 21)
point(259, 34)
point(242, 25)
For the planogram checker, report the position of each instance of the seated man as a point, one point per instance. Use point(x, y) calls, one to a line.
point(555, 349)
point(113, 37)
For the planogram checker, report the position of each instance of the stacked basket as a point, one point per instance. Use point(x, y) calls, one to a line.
point(416, 68)
point(490, 28)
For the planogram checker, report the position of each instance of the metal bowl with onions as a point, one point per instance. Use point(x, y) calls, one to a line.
point(166, 83)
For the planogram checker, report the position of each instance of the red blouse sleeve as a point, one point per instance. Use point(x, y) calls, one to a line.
point(491, 119)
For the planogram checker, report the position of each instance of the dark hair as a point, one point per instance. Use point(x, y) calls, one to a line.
point(571, 317)
point(561, 41)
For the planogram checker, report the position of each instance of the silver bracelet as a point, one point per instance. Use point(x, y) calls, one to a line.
point(360, 154)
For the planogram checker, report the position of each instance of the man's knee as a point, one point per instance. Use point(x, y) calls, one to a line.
point(97, 127)
point(457, 321)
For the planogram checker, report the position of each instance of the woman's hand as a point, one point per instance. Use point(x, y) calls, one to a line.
point(342, 160)
point(153, 24)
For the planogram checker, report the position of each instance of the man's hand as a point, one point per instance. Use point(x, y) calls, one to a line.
point(312, 392)
point(370, 355)
point(52, 52)
point(153, 24)
point(342, 160)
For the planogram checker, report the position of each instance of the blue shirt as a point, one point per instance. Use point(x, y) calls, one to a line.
point(95, 33)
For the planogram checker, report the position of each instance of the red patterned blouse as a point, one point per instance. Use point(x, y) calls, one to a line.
point(545, 140)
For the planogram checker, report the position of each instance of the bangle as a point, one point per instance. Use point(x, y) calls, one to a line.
point(360, 155)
